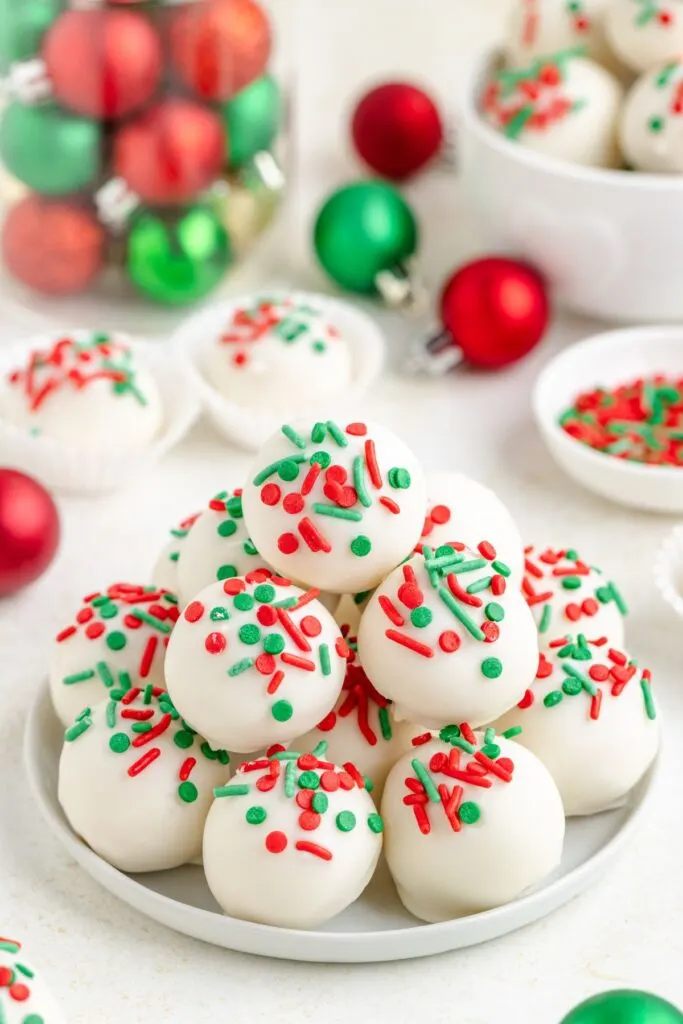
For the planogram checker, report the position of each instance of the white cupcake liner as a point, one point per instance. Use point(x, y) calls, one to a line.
point(250, 428)
point(66, 468)
point(669, 570)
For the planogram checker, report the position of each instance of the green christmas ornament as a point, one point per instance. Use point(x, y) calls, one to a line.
point(624, 1006)
point(364, 235)
point(252, 119)
point(22, 27)
point(49, 150)
point(177, 257)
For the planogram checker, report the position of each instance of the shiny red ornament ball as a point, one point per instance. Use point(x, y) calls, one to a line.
point(29, 530)
point(53, 246)
point(496, 311)
point(103, 63)
point(171, 152)
point(220, 46)
point(397, 130)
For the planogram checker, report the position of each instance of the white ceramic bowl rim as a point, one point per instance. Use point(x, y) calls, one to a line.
point(475, 123)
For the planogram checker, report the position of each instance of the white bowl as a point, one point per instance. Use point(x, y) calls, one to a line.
point(609, 241)
point(249, 427)
point(669, 570)
point(610, 359)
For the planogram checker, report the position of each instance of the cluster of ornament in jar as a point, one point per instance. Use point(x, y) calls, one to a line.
point(539, 27)
point(136, 781)
point(461, 509)
point(567, 595)
point(448, 633)
point(165, 572)
point(279, 354)
point(652, 118)
point(118, 638)
point(84, 390)
point(24, 996)
point(591, 719)
point(471, 821)
point(644, 33)
point(292, 840)
point(254, 661)
point(562, 106)
point(361, 727)
point(335, 507)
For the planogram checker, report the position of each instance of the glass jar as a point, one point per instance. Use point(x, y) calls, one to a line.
point(141, 149)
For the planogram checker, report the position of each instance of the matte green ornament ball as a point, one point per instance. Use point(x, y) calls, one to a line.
point(252, 119)
point(22, 27)
point(361, 230)
point(48, 149)
point(177, 258)
point(624, 1006)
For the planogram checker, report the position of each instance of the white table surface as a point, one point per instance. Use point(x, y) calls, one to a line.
point(110, 965)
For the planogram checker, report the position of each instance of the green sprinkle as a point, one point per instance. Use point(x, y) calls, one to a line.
point(571, 687)
point(147, 694)
point(256, 815)
point(141, 727)
point(368, 783)
point(7, 946)
point(587, 684)
point(385, 724)
point(324, 656)
point(650, 709)
point(151, 620)
point(425, 778)
point(571, 583)
point(445, 560)
point(105, 673)
point(125, 681)
point(359, 481)
point(288, 470)
point(375, 823)
point(513, 731)
point(320, 748)
point(421, 617)
point(516, 125)
point(109, 611)
point(273, 643)
point(295, 438)
point(469, 813)
point(97, 602)
point(491, 750)
point(309, 780)
point(322, 458)
point(552, 698)
point(544, 624)
point(345, 821)
point(399, 478)
point(290, 779)
point(243, 602)
point(219, 614)
point(494, 612)
point(111, 714)
point(337, 513)
point(282, 711)
point(222, 791)
point(77, 730)
point(241, 666)
point(119, 743)
point(274, 467)
point(489, 735)
point(483, 584)
point(226, 572)
point(460, 614)
point(319, 433)
point(227, 528)
point(491, 667)
point(85, 713)
point(475, 563)
point(286, 755)
point(249, 634)
point(78, 677)
point(265, 593)
point(183, 739)
point(336, 434)
point(319, 803)
point(361, 546)
point(611, 593)
point(208, 752)
point(501, 568)
point(249, 547)
point(188, 792)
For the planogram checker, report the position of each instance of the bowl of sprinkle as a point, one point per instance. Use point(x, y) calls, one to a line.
point(610, 410)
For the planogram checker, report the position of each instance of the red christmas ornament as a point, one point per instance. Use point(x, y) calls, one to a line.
point(397, 130)
point(103, 63)
point(220, 46)
point(29, 530)
point(494, 311)
point(171, 152)
point(53, 246)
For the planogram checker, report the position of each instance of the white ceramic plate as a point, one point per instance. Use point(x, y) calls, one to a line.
point(376, 928)
point(615, 357)
point(248, 427)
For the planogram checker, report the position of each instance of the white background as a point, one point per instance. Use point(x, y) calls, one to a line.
point(107, 963)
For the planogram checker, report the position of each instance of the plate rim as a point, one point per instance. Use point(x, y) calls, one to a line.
point(307, 946)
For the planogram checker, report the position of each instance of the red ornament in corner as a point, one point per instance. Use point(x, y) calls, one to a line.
point(29, 530)
point(397, 130)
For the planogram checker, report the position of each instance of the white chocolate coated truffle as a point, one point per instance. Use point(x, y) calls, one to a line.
point(279, 354)
point(136, 783)
point(448, 638)
point(461, 509)
point(255, 661)
point(651, 128)
point(85, 390)
point(165, 572)
point(118, 638)
point(336, 507)
point(24, 995)
point(469, 826)
point(561, 106)
point(539, 27)
point(567, 595)
point(591, 718)
point(645, 33)
point(291, 842)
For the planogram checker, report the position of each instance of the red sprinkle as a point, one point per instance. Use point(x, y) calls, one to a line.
point(293, 504)
point(312, 536)
point(314, 848)
point(65, 634)
point(391, 505)
point(329, 781)
point(440, 514)
point(310, 626)
point(275, 682)
point(148, 656)
point(309, 821)
point(291, 628)
point(265, 664)
point(372, 464)
point(486, 550)
point(287, 543)
point(449, 642)
point(276, 842)
point(357, 429)
point(194, 611)
point(310, 478)
point(186, 769)
point(270, 494)
point(144, 762)
point(410, 643)
point(297, 662)
point(424, 737)
point(391, 611)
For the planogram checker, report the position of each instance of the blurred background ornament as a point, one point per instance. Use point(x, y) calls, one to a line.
point(365, 238)
point(21, 34)
point(252, 120)
point(245, 209)
point(624, 1006)
point(397, 130)
point(29, 530)
point(48, 149)
point(177, 257)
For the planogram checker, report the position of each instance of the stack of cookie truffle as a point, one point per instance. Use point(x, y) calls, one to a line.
point(468, 695)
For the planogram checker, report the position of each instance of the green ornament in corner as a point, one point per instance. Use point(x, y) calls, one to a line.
point(252, 120)
point(53, 152)
point(177, 257)
point(23, 23)
point(624, 1006)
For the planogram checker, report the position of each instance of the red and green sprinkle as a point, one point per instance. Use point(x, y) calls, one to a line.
point(282, 319)
point(532, 99)
point(550, 575)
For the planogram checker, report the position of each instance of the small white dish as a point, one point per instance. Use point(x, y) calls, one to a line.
point(98, 470)
point(669, 570)
point(375, 928)
point(248, 427)
point(609, 359)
